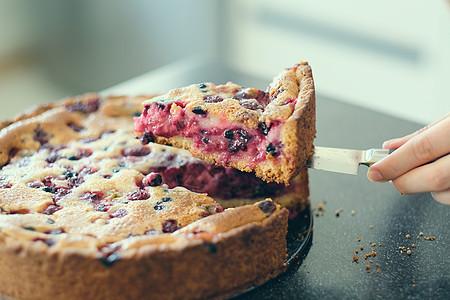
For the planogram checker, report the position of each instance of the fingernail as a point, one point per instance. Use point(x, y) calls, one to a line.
point(387, 144)
point(375, 176)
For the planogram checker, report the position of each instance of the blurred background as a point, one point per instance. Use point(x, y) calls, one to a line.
point(387, 56)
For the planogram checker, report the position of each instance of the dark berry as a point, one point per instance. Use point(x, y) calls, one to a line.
point(101, 207)
point(51, 209)
point(60, 193)
point(228, 134)
point(138, 195)
point(49, 189)
point(75, 181)
point(263, 128)
point(199, 111)
point(55, 231)
point(212, 99)
point(136, 151)
point(29, 228)
point(116, 170)
point(5, 185)
point(170, 226)
point(84, 107)
point(211, 247)
point(251, 104)
point(89, 139)
point(244, 135)
point(41, 136)
point(160, 106)
point(152, 179)
point(120, 213)
point(136, 114)
point(84, 153)
point(205, 140)
point(166, 199)
point(72, 157)
point(109, 260)
point(107, 176)
point(48, 242)
point(87, 171)
point(69, 174)
point(52, 157)
point(75, 127)
point(201, 85)
point(267, 207)
point(271, 149)
point(92, 197)
point(107, 131)
point(147, 137)
point(158, 207)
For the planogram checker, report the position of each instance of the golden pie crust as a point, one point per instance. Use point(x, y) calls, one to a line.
point(125, 249)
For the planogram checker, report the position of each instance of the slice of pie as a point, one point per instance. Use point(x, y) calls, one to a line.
point(270, 133)
point(87, 211)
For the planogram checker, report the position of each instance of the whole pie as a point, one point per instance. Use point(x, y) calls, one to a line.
point(88, 212)
point(270, 133)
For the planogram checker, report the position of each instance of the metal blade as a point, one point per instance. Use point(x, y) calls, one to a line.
point(335, 160)
point(344, 160)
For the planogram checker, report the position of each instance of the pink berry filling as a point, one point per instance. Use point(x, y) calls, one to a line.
point(230, 141)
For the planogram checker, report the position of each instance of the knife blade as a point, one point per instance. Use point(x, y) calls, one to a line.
point(344, 160)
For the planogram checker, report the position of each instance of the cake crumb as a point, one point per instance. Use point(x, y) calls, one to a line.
point(413, 285)
point(413, 245)
point(407, 236)
point(356, 251)
point(421, 233)
point(353, 212)
point(320, 207)
point(371, 227)
point(355, 258)
point(367, 267)
point(409, 252)
point(359, 239)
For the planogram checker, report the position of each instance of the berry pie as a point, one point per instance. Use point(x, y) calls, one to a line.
point(270, 133)
point(88, 212)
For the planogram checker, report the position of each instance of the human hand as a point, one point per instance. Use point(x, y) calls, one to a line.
point(409, 168)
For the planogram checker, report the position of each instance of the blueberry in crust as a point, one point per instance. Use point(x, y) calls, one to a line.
point(84, 214)
point(270, 133)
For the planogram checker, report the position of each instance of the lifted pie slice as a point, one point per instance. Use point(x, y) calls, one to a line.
point(270, 133)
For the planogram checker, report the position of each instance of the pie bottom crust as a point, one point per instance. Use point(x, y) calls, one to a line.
point(230, 263)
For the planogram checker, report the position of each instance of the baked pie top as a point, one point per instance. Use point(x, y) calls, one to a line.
point(74, 176)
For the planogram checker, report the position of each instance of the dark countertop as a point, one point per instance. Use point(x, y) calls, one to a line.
point(382, 215)
point(327, 270)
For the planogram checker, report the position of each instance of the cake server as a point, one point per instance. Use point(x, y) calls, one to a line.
point(344, 160)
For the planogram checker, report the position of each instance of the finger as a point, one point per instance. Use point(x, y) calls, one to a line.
point(398, 142)
point(434, 177)
point(420, 149)
point(442, 197)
